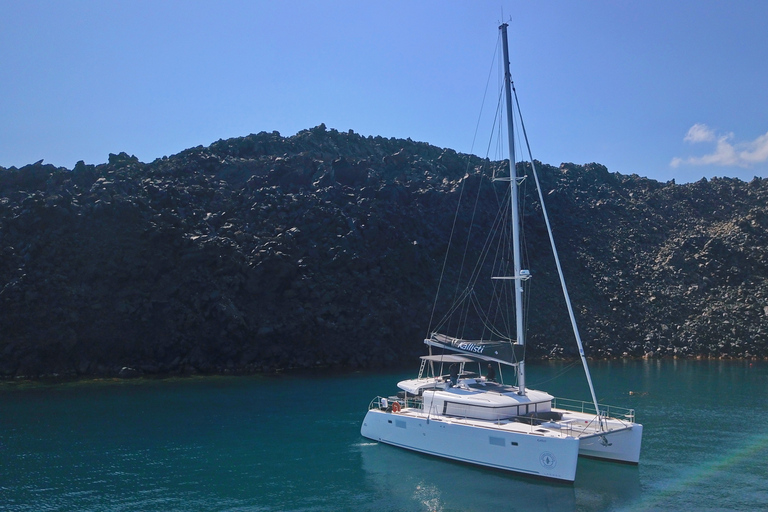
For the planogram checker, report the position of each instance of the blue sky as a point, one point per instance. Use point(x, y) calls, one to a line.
point(663, 89)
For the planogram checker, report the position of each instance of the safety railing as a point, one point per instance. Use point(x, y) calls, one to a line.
point(387, 403)
point(606, 411)
point(534, 424)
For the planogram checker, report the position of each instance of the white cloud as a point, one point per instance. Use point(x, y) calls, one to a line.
point(757, 150)
point(726, 152)
point(699, 133)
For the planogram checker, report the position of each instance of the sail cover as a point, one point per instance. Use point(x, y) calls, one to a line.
point(502, 351)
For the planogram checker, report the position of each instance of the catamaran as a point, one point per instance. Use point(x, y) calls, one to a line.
point(474, 417)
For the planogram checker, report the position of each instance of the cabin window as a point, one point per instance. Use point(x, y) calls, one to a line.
point(400, 424)
point(496, 441)
point(514, 443)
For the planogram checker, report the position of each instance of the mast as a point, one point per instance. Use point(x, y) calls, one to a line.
point(513, 180)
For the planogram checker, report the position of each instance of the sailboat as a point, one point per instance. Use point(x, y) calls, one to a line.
point(450, 410)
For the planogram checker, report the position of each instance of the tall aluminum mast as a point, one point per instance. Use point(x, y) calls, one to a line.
point(517, 277)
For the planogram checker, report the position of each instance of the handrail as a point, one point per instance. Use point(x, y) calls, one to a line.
point(563, 428)
point(405, 403)
point(621, 414)
point(606, 411)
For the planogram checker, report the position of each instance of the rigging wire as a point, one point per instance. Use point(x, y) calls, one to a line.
point(484, 252)
point(461, 192)
point(466, 299)
point(560, 274)
point(500, 290)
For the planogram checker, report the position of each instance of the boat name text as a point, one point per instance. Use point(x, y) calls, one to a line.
point(471, 347)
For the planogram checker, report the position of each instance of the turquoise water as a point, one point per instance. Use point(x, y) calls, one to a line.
point(292, 442)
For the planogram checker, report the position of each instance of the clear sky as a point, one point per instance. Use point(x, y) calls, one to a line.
point(664, 89)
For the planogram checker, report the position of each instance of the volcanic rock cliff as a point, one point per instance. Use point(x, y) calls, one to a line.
point(325, 249)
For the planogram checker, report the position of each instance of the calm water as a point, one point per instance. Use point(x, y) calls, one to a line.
point(292, 442)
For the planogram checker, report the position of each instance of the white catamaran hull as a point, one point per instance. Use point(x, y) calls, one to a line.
point(619, 446)
point(553, 458)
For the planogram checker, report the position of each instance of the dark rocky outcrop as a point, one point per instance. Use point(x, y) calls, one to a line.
point(325, 248)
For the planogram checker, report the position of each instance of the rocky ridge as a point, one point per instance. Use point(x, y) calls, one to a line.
point(324, 249)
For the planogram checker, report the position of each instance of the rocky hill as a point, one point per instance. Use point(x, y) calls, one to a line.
point(325, 249)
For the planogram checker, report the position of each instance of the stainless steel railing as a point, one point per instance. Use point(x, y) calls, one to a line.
point(606, 411)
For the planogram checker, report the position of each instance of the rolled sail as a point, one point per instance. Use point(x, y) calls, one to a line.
point(502, 351)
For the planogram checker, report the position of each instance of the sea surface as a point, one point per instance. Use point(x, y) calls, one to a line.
point(291, 442)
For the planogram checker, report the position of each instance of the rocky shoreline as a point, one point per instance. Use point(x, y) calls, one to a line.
point(324, 249)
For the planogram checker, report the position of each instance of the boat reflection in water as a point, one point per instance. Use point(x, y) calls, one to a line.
point(411, 481)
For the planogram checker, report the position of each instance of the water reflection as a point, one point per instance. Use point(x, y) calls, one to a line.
point(412, 481)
